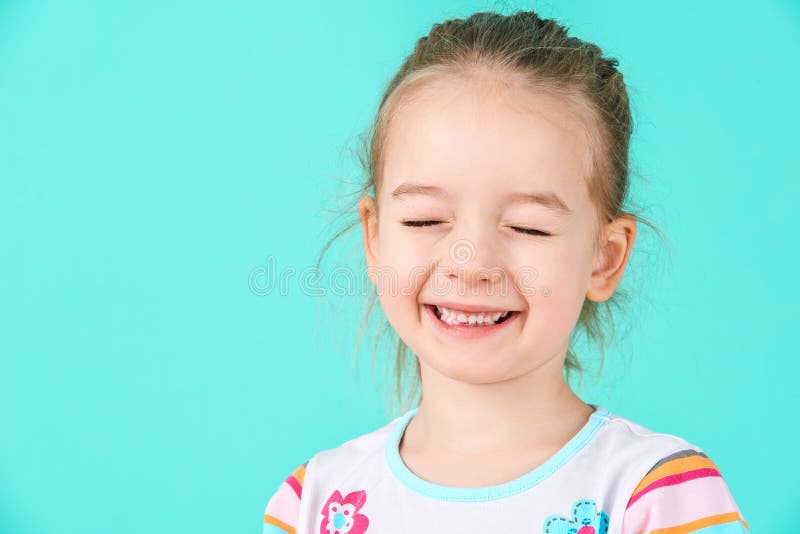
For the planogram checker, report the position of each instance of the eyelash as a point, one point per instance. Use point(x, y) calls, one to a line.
point(527, 231)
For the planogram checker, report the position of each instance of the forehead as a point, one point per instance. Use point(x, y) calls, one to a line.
point(472, 135)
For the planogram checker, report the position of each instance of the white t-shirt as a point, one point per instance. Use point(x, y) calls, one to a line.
point(613, 477)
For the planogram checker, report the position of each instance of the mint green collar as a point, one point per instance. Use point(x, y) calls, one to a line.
point(485, 493)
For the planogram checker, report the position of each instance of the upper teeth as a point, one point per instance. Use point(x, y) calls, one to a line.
point(460, 317)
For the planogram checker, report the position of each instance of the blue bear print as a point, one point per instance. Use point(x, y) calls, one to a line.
point(586, 519)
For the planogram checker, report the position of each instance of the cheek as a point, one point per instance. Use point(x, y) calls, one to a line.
point(552, 278)
point(402, 264)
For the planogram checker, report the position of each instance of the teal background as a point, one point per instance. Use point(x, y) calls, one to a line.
point(156, 154)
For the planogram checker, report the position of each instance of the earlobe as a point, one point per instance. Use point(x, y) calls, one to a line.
point(612, 258)
point(367, 212)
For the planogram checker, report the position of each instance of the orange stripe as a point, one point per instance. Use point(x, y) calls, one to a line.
point(300, 474)
point(272, 520)
point(709, 521)
point(673, 467)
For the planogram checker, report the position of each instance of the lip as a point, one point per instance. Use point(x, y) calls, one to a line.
point(471, 308)
point(468, 332)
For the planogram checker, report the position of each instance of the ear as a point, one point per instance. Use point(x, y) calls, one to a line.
point(612, 258)
point(368, 213)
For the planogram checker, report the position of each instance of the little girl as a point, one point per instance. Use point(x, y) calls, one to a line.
point(498, 170)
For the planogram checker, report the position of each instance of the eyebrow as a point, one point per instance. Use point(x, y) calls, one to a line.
point(410, 188)
point(547, 199)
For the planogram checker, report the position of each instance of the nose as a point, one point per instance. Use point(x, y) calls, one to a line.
point(471, 262)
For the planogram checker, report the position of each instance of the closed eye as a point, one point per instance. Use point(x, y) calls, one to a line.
point(421, 223)
point(529, 231)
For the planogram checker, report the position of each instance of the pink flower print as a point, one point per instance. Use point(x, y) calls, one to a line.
point(341, 514)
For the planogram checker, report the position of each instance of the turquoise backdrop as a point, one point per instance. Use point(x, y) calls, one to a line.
point(157, 157)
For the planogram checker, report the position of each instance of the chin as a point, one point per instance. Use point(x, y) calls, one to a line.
point(470, 369)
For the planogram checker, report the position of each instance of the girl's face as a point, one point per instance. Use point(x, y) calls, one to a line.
point(483, 206)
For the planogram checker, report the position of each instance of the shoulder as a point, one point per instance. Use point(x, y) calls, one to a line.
point(283, 508)
point(623, 431)
point(339, 461)
point(679, 486)
point(282, 511)
point(629, 449)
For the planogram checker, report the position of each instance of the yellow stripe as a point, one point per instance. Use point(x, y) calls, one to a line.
point(300, 474)
point(272, 520)
point(709, 521)
point(673, 467)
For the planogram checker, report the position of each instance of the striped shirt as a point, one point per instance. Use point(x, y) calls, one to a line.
point(683, 492)
point(641, 482)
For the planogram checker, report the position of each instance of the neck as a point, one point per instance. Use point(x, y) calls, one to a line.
point(537, 410)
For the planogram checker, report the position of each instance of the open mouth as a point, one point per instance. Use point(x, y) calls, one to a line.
point(470, 319)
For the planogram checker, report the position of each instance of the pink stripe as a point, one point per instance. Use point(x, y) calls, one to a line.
point(295, 485)
point(677, 478)
point(674, 505)
point(284, 505)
